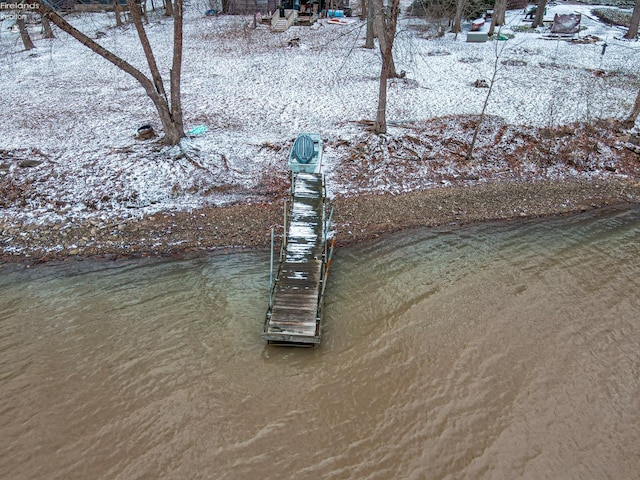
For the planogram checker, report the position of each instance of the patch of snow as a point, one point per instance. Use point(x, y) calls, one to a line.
point(78, 113)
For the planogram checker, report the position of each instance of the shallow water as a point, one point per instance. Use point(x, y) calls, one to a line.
point(493, 351)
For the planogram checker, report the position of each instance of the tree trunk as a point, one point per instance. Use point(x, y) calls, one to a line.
point(498, 17)
point(363, 9)
point(381, 26)
point(631, 120)
point(171, 116)
point(118, 11)
point(482, 113)
point(457, 21)
point(143, 7)
point(154, 88)
point(635, 21)
point(176, 70)
point(134, 10)
point(538, 21)
point(168, 8)
point(24, 33)
point(369, 43)
point(498, 53)
point(501, 16)
point(380, 125)
point(46, 26)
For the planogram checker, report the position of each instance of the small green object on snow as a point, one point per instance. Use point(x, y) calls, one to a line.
point(196, 131)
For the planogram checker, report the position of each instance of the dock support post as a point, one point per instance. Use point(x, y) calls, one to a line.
point(326, 270)
point(284, 231)
point(327, 225)
point(271, 273)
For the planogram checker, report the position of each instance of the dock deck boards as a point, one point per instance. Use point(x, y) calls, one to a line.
point(294, 317)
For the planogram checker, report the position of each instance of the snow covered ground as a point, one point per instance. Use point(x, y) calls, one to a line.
point(64, 106)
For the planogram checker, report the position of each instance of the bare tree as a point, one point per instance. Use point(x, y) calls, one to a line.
point(389, 34)
point(46, 28)
point(24, 33)
point(176, 71)
point(498, 51)
point(382, 24)
point(457, 20)
point(117, 9)
point(168, 8)
point(631, 120)
point(498, 17)
point(369, 43)
point(635, 21)
point(169, 111)
point(440, 13)
point(143, 9)
point(538, 21)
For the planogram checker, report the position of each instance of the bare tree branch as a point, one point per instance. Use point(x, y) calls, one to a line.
point(154, 88)
point(389, 35)
point(635, 21)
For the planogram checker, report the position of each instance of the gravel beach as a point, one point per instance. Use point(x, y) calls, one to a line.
point(356, 218)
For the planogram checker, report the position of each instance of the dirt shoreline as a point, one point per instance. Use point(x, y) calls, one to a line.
point(358, 218)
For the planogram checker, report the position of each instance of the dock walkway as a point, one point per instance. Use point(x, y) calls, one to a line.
point(295, 307)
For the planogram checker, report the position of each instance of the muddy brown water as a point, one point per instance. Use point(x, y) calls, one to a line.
point(487, 352)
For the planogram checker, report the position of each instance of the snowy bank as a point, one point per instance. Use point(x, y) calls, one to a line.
point(67, 152)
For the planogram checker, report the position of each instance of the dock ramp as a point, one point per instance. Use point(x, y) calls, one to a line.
point(297, 285)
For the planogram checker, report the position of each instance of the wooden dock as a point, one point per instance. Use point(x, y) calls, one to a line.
point(295, 306)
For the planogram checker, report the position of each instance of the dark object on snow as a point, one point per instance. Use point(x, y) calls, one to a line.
point(566, 24)
point(481, 84)
point(29, 163)
point(145, 132)
point(294, 42)
point(514, 63)
point(586, 40)
point(211, 13)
